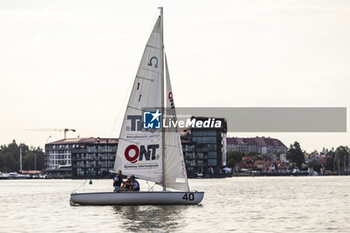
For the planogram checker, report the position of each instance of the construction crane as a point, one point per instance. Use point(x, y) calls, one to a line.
point(65, 130)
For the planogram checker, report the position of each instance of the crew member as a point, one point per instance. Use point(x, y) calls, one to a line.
point(135, 184)
point(128, 184)
point(118, 181)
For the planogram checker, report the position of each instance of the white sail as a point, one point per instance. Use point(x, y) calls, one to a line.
point(175, 169)
point(139, 151)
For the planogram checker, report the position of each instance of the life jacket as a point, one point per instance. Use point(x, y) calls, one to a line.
point(138, 186)
point(117, 181)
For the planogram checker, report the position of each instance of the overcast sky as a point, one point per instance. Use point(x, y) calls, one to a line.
point(71, 64)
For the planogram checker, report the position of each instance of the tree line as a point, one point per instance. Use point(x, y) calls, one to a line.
point(10, 157)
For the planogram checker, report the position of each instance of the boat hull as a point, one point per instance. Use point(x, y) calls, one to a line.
point(137, 198)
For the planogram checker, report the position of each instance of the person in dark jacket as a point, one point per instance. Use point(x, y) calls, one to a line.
point(135, 184)
point(118, 181)
point(128, 184)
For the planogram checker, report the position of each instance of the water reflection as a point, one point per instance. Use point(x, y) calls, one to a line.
point(151, 218)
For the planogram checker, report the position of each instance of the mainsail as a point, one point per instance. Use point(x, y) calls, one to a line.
point(140, 151)
point(175, 169)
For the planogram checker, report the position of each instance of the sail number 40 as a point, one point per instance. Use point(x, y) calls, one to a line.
point(188, 197)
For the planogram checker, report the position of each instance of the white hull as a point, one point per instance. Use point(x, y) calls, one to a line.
point(137, 198)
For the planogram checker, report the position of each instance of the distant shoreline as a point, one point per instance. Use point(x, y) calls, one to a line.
point(233, 176)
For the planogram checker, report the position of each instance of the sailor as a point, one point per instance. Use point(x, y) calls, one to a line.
point(135, 184)
point(118, 181)
point(128, 184)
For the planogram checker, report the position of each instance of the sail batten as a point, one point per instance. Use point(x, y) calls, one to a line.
point(153, 47)
point(146, 69)
point(138, 109)
point(144, 78)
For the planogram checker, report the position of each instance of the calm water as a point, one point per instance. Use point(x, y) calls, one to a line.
point(263, 204)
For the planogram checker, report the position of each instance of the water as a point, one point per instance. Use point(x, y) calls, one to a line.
point(245, 204)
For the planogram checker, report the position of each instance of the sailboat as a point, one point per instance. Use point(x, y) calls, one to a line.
point(145, 149)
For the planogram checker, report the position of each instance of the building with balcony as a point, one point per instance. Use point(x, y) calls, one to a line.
point(83, 157)
point(94, 159)
point(204, 149)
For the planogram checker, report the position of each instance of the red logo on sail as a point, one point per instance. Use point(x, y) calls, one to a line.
point(132, 159)
point(170, 97)
point(142, 153)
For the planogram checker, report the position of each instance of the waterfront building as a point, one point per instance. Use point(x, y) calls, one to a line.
point(81, 157)
point(59, 152)
point(264, 165)
point(94, 159)
point(283, 158)
point(262, 145)
point(204, 149)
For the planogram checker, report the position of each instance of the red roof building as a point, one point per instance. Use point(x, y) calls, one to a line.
point(261, 145)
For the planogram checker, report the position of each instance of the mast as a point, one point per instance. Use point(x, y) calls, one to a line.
point(20, 160)
point(162, 98)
